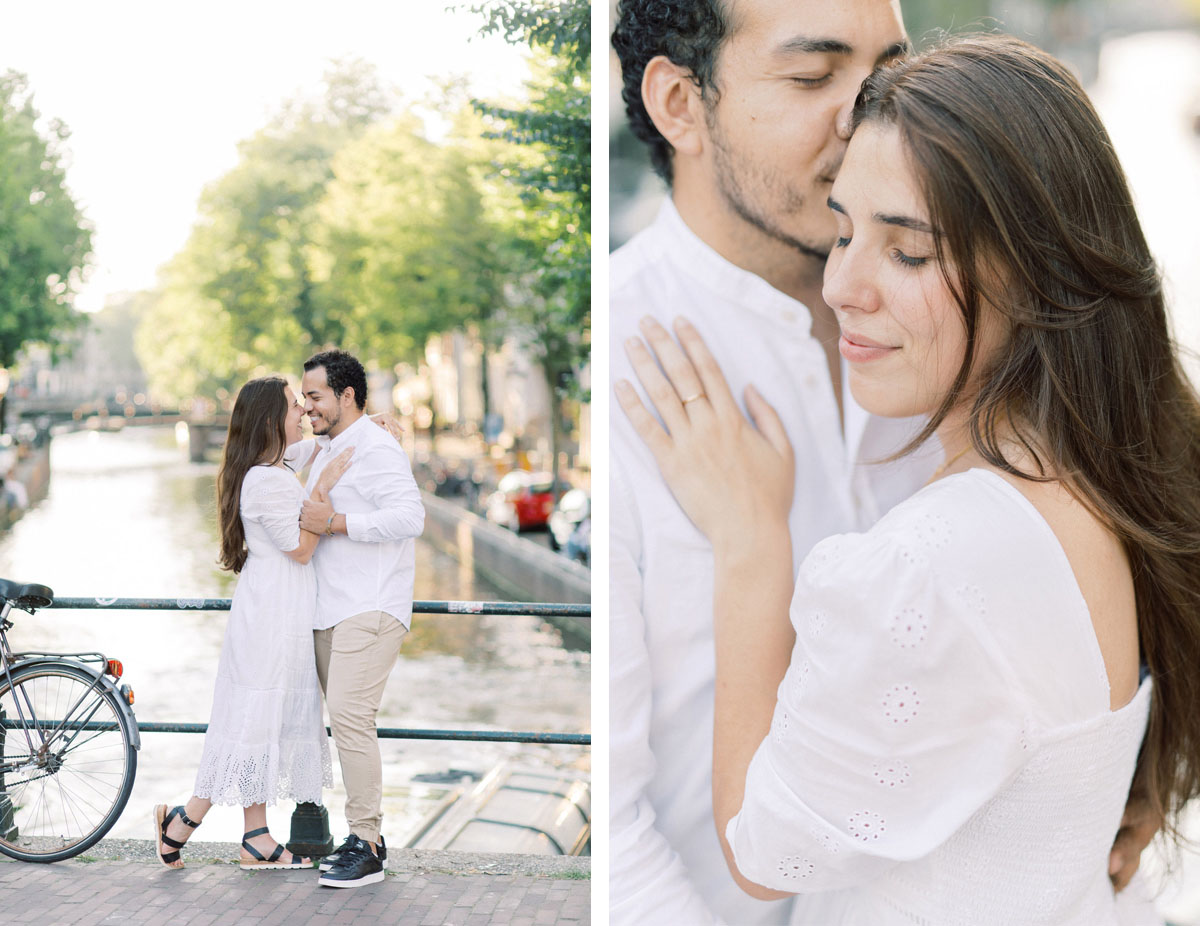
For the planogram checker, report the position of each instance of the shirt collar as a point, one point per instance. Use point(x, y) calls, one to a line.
point(725, 278)
point(339, 443)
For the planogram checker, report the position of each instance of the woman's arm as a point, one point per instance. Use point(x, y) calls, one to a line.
point(330, 475)
point(735, 481)
point(753, 639)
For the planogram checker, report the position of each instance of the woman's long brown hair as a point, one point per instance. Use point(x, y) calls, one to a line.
point(1034, 219)
point(257, 434)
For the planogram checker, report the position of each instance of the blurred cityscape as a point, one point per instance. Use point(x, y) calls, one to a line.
point(446, 243)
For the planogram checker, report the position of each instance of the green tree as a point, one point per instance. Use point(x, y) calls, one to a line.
point(44, 240)
point(551, 302)
point(240, 296)
point(406, 247)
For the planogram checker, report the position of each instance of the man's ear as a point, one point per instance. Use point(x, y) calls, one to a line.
point(347, 393)
point(672, 99)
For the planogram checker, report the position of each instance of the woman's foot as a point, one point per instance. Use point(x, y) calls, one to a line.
point(260, 850)
point(172, 827)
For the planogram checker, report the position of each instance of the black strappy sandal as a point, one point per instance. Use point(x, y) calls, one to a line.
point(262, 863)
point(162, 819)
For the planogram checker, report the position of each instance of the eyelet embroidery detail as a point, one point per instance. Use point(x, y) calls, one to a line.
point(780, 727)
point(913, 556)
point(800, 677)
point(909, 628)
point(822, 555)
point(796, 868)
point(972, 597)
point(900, 703)
point(825, 841)
point(933, 531)
point(892, 774)
point(866, 826)
point(816, 622)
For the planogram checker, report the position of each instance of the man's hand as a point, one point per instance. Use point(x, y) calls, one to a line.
point(315, 515)
point(1138, 826)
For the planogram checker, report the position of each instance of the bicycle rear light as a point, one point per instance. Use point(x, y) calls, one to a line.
point(114, 668)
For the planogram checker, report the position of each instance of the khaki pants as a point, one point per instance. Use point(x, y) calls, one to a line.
point(354, 658)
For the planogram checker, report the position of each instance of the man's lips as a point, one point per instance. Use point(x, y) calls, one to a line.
point(858, 348)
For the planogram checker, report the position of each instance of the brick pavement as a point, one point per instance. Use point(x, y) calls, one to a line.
point(218, 893)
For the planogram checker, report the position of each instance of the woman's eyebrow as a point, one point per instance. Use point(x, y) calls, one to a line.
point(903, 221)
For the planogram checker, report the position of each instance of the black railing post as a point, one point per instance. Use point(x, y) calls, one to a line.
point(8, 831)
point(310, 831)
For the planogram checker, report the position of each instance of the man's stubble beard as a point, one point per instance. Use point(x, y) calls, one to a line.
point(730, 187)
point(330, 424)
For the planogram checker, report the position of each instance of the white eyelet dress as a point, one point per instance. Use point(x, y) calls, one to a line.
point(942, 750)
point(266, 738)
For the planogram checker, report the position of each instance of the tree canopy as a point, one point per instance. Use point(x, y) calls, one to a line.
point(44, 240)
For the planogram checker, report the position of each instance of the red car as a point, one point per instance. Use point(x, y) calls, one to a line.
point(522, 501)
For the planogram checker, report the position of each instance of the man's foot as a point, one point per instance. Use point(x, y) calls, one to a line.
point(331, 859)
point(356, 865)
point(255, 848)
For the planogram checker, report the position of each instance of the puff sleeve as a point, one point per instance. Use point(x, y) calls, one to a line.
point(271, 497)
point(897, 720)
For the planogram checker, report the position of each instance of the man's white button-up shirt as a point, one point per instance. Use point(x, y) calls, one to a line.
point(666, 863)
point(371, 566)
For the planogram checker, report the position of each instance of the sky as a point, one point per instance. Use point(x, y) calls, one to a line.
point(157, 95)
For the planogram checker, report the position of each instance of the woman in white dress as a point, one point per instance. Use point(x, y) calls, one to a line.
point(266, 737)
point(944, 726)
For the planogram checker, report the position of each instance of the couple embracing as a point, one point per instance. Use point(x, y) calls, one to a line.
point(905, 529)
point(323, 601)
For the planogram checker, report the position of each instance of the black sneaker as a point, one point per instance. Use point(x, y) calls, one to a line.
point(356, 866)
point(331, 859)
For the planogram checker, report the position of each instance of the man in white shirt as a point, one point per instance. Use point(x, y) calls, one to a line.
point(745, 109)
point(364, 568)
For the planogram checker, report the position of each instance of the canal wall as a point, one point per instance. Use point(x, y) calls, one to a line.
point(524, 570)
point(32, 470)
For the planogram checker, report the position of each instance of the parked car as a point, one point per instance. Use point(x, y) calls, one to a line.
point(570, 525)
point(522, 501)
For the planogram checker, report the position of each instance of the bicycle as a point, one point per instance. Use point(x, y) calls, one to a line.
point(68, 743)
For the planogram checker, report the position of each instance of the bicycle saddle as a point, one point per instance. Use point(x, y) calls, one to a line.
point(26, 596)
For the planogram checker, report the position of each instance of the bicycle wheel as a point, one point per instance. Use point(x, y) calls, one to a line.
point(66, 769)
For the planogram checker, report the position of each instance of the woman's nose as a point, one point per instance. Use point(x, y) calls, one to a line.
point(849, 281)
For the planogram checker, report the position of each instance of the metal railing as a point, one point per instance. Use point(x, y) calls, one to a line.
point(500, 608)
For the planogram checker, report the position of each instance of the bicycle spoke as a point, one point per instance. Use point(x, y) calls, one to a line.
point(69, 792)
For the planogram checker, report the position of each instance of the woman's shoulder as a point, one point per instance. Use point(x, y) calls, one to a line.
point(968, 520)
point(269, 480)
point(969, 557)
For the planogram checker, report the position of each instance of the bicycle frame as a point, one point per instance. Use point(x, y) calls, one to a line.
point(38, 754)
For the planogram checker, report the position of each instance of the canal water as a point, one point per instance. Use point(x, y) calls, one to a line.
point(128, 516)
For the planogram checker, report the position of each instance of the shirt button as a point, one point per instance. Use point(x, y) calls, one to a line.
point(788, 316)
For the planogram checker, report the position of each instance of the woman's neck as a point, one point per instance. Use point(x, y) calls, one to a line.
point(961, 454)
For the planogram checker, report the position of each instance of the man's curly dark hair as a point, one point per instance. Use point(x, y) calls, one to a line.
point(341, 370)
point(689, 33)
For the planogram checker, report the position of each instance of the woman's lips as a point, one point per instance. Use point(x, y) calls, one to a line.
point(859, 349)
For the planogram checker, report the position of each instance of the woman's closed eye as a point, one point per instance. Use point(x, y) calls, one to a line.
point(902, 258)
